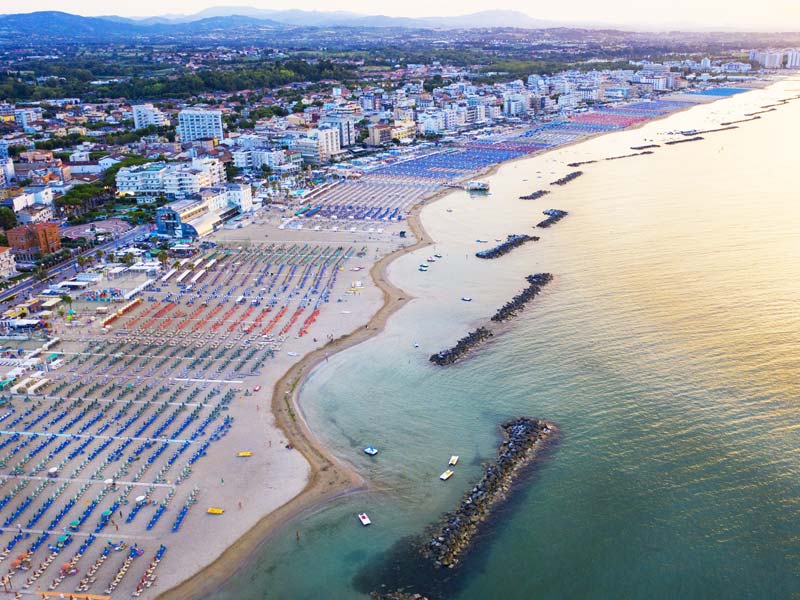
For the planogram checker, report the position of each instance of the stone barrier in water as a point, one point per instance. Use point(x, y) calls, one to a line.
point(567, 178)
point(512, 242)
point(535, 195)
point(453, 535)
point(464, 345)
point(554, 215)
point(518, 302)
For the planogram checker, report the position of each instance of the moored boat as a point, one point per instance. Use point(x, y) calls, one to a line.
point(372, 451)
point(446, 475)
point(453, 460)
point(364, 519)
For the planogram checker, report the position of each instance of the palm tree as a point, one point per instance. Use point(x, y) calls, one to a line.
point(163, 258)
point(66, 299)
point(82, 260)
point(128, 259)
point(99, 255)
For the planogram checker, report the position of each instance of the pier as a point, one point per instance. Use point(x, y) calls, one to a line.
point(567, 178)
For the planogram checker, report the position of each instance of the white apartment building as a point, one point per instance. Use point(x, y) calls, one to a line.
point(318, 145)
point(171, 179)
point(346, 126)
point(145, 115)
point(8, 264)
point(197, 124)
point(792, 58)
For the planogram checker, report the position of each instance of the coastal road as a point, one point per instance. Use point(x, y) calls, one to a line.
point(31, 287)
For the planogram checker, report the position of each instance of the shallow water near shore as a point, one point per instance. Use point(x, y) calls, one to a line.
point(667, 349)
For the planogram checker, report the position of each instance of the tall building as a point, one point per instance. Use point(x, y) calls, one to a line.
point(318, 145)
point(197, 124)
point(145, 115)
point(792, 58)
point(29, 242)
point(345, 124)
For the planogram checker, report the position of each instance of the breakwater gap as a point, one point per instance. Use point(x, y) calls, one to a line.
point(510, 309)
point(435, 563)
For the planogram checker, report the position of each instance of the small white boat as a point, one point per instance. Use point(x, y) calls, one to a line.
point(449, 210)
point(416, 344)
point(430, 259)
point(466, 299)
point(446, 475)
point(364, 519)
point(422, 270)
point(437, 256)
point(423, 266)
point(372, 451)
point(453, 460)
point(482, 241)
point(292, 354)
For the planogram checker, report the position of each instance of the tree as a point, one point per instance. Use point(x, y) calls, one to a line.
point(128, 259)
point(82, 260)
point(39, 272)
point(163, 258)
point(7, 218)
point(66, 299)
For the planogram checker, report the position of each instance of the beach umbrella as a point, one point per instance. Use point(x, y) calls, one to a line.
point(16, 563)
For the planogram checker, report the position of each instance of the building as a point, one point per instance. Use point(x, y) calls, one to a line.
point(37, 213)
point(197, 124)
point(378, 134)
point(145, 115)
point(29, 242)
point(345, 124)
point(171, 179)
point(769, 59)
point(204, 212)
point(8, 264)
point(318, 145)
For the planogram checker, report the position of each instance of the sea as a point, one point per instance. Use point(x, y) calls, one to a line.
point(667, 351)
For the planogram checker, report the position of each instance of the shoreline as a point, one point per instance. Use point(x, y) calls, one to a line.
point(330, 478)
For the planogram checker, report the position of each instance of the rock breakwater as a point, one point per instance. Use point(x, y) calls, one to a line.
point(567, 178)
point(453, 535)
point(512, 242)
point(554, 215)
point(517, 303)
point(462, 346)
point(535, 195)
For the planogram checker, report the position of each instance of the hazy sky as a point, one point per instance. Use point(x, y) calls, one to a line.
point(742, 14)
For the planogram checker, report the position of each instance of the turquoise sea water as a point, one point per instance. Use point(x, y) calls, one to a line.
point(667, 349)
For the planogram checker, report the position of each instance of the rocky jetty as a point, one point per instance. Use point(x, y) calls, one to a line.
point(567, 178)
point(647, 147)
point(535, 195)
point(691, 139)
point(753, 117)
point(396, 596)
point(517, 303)
point(448, 540)
point(512, 242)
point(629, 155)
point(464, 345)
point(578, 164)
point(554, 215)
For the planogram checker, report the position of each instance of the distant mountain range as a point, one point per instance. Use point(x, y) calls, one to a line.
point(60, 24)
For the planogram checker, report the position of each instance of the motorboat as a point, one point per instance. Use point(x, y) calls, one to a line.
point(446, 475)
point(437, 256)
point(423, 270)
point(364, 519)
point(371, 450)
point(430, 259)
point(292, 354)
point(453, 460)
point(466, 299)
point(257, 388)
